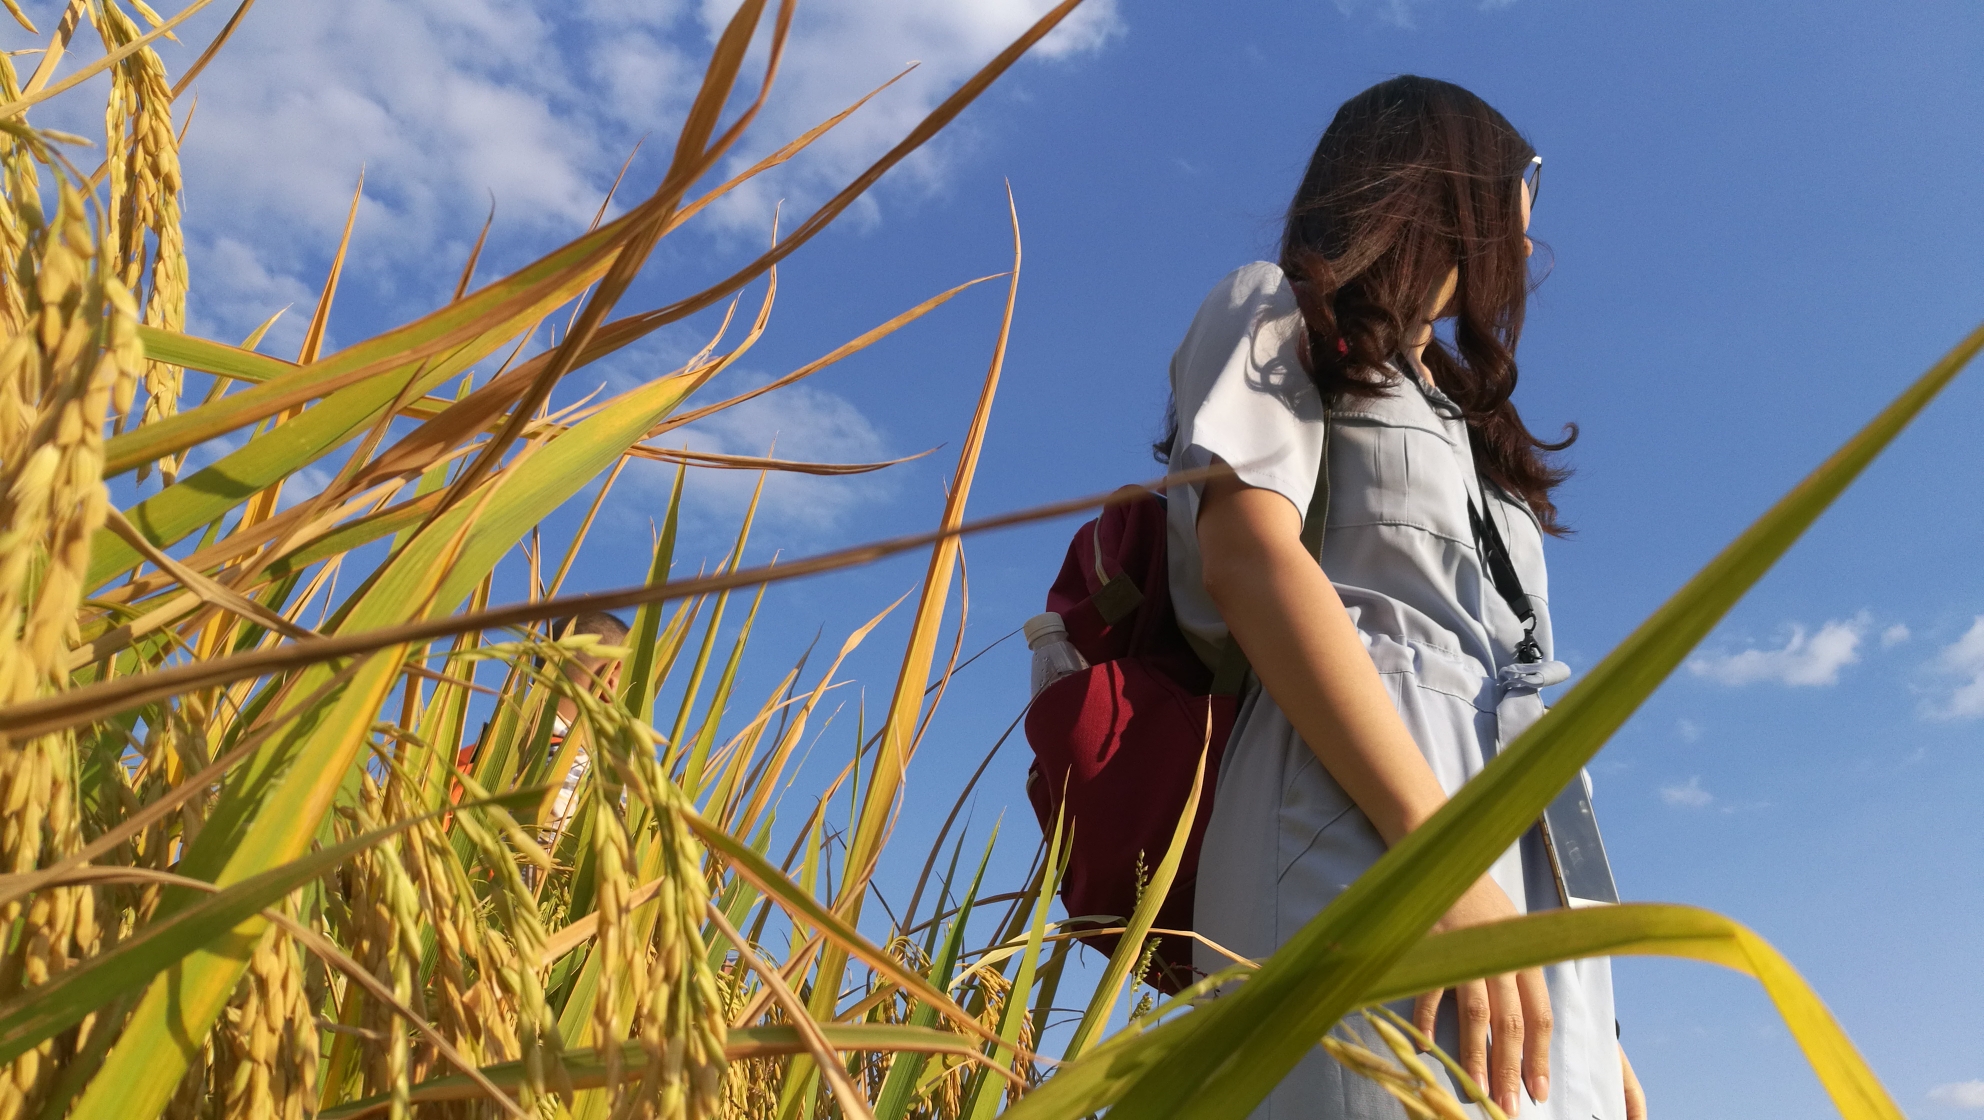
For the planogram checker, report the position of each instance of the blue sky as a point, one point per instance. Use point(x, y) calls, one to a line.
point(1764, 223)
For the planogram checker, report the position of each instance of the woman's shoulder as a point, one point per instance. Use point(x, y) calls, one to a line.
point(1248, 327)
point(1257, 285)
point(1239, 388)
point(1251, 309)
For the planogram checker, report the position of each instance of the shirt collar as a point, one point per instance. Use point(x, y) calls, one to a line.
point(1441, 403)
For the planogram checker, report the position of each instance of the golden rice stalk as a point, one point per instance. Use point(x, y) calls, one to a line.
point(1411, 1083)
point(682, 1019)
point(989, 991)
point(623, 962)
point(386, 923)
point(20, 17)
point(143, 165)
point(21, 210)
point(194, 1098)
point(751, 1087)
point(1399, 1083)
point(59, 927)
point(510, 987)
point(440, 898)
point(268, 1036)
point(76, 349)
point(69, 351)
point(174, 747)
point(683, 1023)
point(485, 998)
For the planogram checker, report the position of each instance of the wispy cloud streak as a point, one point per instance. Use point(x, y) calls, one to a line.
point(1959, 1094)
point(1804, 659)
point(1963, 660)
point(1687, 795)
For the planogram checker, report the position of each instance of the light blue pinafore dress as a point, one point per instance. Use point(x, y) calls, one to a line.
point(1285, 839)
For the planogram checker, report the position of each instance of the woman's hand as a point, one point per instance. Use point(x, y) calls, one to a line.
point(1635, 1096)
point(1505, 1021)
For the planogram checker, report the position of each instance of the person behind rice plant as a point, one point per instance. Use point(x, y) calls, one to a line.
point(1387, 671)
point(593, 673)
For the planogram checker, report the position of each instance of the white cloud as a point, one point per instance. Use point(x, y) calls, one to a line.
point(1689, 730)
point(204, 455)
point(799, 422)
point(445, 103)
point(1399, 13)
point(1395, 12)
point(1690, 795)
point(1894, 635)
point(1964, 660)
point(302, 486)
point(1804, 659)
point(233, 282)
point(838, 53)
point(1959, 1094)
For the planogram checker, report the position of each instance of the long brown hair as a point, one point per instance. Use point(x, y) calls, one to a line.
point(1414, 178)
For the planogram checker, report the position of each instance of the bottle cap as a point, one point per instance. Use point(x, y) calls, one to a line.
point(1043, 625)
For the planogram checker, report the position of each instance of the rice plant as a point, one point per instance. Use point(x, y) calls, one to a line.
point(261, 860)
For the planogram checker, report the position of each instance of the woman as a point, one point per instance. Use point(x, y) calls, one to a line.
point(1389, 675)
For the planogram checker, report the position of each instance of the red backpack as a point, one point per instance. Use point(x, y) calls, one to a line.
point(1123, 737)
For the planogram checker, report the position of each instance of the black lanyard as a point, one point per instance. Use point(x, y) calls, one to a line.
point(1502, 572)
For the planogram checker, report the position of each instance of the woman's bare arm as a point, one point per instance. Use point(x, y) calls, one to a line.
point(1285, 614)
point(1300, 641)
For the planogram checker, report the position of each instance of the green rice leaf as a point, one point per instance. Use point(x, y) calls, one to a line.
point(1643, 929)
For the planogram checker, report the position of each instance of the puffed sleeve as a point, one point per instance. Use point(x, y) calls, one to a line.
point(1241, 392)
point(1242, 396)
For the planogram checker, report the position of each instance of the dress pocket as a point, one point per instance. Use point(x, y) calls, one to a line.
point(1323, 840)
point(1312, 804)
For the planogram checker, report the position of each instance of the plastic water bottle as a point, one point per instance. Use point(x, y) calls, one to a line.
point(1054, 656)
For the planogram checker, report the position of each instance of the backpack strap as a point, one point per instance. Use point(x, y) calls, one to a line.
point(1119, 596)
point(1229, 674)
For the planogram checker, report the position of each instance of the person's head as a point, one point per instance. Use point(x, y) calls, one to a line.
point(589, 671)
point(1416, 184)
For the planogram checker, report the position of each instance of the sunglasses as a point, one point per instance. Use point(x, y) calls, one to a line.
point(1532, 175)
